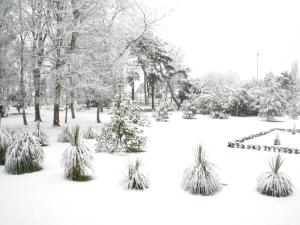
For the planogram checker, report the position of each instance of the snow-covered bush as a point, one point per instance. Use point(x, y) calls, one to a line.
point(77, 158)
point(123, 132)
point(274, 100)
point(189, 110)
point(63, 136)
point(201, 177)
point(219, 115)
point(5, 142)
point(161, 112)
point(41, 135)
point(134, 179)
point(294, 131)
point(89, 134)
point(24, 155)
point(277, 140)
point(275, 183)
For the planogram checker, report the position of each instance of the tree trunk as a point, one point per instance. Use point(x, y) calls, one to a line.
point(58, 64)
point(152, 95)
point(145, 84)
point(72, 105)
point(66, 111)
point(132, 91)
point(22, 84)
point(56, 102)
point(98, 112)
point(173, 94)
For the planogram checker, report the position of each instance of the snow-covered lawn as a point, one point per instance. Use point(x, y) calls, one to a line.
point(45, 197)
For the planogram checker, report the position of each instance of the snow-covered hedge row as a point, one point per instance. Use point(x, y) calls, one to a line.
point(239, 142)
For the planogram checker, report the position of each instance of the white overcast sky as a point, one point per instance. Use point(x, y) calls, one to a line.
point(225, 35)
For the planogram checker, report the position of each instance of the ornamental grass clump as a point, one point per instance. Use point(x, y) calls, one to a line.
point(275, 183)
point(201, 179)
point(24, 155)
point(41, 135)
point(5, 142)
point(135, 179)
point(77, 158)
point(63, 136)
point(277, 140)
point(90, 134)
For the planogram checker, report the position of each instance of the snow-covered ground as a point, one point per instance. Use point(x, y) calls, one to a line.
point(45, 197)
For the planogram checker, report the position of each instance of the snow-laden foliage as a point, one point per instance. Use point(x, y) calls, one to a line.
point(219, 115)
point(89, 134)
point(161, 112)
point(274, 99)
point(189, 110)
point(135, 179)
point(24, 155)
point(5, 142)
point(123, 133)
point(275, 183)
point(41, 135)
point(201, 177)
point(277, 140)
point(77, 158)
point(63, 136)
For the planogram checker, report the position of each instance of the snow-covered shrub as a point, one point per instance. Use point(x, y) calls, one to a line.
point(161, 112)
point(5, 142)
point(24, 155)
point(274, 100)
point(63, 136)
point(41, 135)
point(275, 183)
point(189, 110)
point(134, 179)
point(294, 131)
point(77, 158)
point(277, 140)
point(89, 134)
point(123, 132)
point(219, 115)
point(201, 177)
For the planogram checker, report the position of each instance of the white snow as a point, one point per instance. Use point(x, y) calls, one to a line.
point(46, 198)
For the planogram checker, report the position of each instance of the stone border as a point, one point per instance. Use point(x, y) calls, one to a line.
point(270, 148)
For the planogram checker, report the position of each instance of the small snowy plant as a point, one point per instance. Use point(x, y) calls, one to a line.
point(24, 155)
point(201, 179)
point(161, 113)
point(63, 136)
point(277, 140)
point(41, 135)
point(189, 110)
point(77, 158)
point(90, 134)
point(5, 142)
point(123, 133)
point(134, 179)
point(294, 131)
point(275, 183)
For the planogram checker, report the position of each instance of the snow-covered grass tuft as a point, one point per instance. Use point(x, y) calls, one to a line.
point(24, 155)
point(201, 177)
point(41, 135)
point(275, 183)
point(5, 142)
point(134, 178)
point(90, 134)
point(63, 136)
point(277, 140)
point(77, 158)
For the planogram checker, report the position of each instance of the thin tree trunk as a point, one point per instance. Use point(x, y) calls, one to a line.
point(72, 105)
point(98, 112)
point(132, 91)
point(145, 84)
point(57, 102)
point(66, 111)
point(152, 95)
point(23, 92)
point(173, 94)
